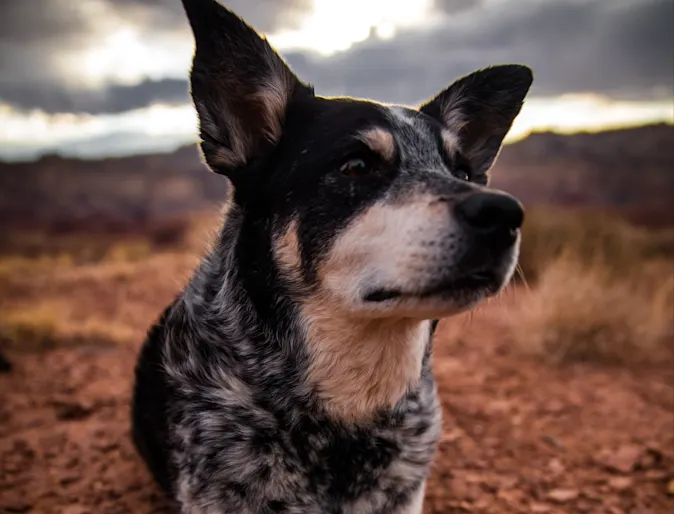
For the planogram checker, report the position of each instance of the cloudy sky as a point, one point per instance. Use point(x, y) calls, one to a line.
point(108, 77)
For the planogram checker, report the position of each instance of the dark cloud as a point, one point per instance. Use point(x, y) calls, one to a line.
point(621, 48)
point(49, 20)
point(34, 33)
point(265, 15)
point(112, 98)
point(454, 6)
point(37, 37)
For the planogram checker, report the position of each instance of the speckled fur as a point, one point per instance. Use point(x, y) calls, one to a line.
point(240, 404)
point(246, 434)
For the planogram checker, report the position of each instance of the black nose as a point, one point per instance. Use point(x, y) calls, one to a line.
point(491, 212)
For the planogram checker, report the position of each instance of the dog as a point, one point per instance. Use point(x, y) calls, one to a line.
point(292, 373)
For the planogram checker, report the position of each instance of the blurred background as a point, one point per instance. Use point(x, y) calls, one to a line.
point(557, 397)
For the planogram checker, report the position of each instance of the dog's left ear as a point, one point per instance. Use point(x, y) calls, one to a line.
point(480, 109)
point(240, 86)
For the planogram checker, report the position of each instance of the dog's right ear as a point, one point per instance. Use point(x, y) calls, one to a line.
point(480, 108)
point(240, 86)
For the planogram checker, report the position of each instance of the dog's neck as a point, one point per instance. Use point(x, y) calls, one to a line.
point(359, 367)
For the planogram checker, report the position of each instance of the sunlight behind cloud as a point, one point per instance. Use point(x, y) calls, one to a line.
point(335, 26)
point(161, 127)
point(124, 55)
point(123, 52)
point(22, 135)
point(587, 112)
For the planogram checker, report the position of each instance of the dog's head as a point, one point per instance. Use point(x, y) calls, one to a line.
point(381, 210)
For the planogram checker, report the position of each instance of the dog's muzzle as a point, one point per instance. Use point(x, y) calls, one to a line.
point(490, 223)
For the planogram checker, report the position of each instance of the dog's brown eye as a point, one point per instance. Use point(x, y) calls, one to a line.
point(462, 174)
point(355, 167)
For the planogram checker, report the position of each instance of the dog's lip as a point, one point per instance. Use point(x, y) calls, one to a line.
point(485, 280)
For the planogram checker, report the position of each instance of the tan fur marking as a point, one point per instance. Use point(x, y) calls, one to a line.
point(452, 110)
point(380, 141)
point(451, 142)
point(241, 142)
point(274, 97)
point(225, 157)
point(228, 204)
point(357, 366)
point(287, 251)
point(271, 100)
point(380, 239)
point(361, 366)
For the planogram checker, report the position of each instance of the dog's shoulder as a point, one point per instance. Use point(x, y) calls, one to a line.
point(151, 400)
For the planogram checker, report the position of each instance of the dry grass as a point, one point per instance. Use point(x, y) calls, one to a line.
point(89, 286)
point(50, 324)
point(591, 238)
point(601, 289)
point(578, 312)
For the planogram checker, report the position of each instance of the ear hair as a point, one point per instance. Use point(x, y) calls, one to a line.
point(480, 108)
point(240, 86)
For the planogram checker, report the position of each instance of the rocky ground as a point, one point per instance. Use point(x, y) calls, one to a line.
point(520, 436)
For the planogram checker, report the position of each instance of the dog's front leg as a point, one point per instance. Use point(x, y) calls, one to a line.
point(416, 503)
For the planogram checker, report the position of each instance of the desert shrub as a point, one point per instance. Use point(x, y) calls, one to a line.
point(590, 238)
point(128, 251)
point(50, 324)
point(169, 235)
point(580, 311)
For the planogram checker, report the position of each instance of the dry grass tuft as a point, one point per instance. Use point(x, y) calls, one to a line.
point(592, 238)
point(49, 325)
point(578, 311)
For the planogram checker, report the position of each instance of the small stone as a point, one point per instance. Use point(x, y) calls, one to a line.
point(105, 446)
point(452, 435)
point(461, 489)
point(511, 497)
point(554, 442)
point(563, 495)
point(656, 474)
point(71, 410)
point(623, 460)
point(75, 509)
point(620, 483)
point(555, 406)
point(556, 467)
point(584, 506)
point(507, 482)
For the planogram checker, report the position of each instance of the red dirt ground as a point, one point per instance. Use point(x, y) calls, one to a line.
point(520, 436)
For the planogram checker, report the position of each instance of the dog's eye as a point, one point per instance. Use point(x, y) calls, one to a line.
point(462, 174)
point(356, 167)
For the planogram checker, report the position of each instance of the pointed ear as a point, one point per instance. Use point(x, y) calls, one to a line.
point(480, 108)
point(240, 86)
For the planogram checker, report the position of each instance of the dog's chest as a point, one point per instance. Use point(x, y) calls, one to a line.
point(314, 465)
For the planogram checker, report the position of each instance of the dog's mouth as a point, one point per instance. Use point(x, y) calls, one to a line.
point(485, 282)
